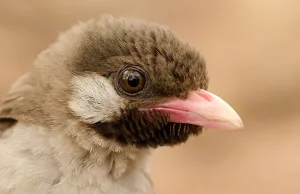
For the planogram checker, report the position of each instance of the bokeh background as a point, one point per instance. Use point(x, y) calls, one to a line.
point(252, 48)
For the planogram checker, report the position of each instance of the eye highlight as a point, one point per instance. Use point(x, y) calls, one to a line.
point(132, 80)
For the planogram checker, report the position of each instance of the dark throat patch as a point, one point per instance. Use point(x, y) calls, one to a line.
point(146, 129)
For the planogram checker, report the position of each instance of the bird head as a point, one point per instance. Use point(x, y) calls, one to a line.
point(129, 82)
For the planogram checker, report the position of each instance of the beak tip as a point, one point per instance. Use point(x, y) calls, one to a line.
point(237, 123)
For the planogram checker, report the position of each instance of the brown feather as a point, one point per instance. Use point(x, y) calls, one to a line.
point(103, 47)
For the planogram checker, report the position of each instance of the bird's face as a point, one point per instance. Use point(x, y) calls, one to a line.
point(139, 85)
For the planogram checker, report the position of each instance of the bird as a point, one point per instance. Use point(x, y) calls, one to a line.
point(97, 103)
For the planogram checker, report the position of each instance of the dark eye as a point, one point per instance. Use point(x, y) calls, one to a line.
point(132, 81)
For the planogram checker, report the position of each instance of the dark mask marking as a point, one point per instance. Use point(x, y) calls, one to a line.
point(146, 129)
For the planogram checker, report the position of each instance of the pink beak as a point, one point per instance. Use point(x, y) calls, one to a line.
point(204, 109)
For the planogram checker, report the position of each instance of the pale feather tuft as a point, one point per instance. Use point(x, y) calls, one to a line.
point(94, 99)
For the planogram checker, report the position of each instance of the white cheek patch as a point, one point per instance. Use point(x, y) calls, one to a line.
point(94, 99)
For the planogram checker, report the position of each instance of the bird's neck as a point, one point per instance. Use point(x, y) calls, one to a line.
point(57, 156)
point(96, 151)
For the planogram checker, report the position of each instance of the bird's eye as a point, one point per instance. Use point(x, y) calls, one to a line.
point(132, 81)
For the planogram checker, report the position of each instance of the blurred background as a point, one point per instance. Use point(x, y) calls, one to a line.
point(252, 48)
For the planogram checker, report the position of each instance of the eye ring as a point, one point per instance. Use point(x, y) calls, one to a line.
point(132, 81)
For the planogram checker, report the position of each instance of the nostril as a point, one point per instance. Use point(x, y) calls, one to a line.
point(205, 95)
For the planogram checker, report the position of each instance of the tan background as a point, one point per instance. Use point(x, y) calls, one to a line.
point(252, 48)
